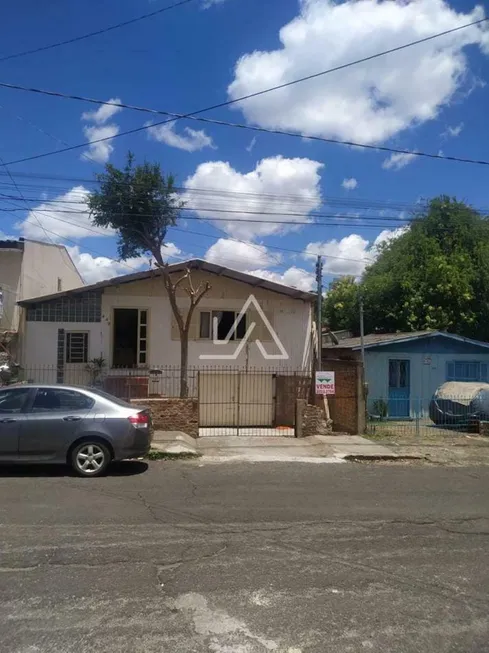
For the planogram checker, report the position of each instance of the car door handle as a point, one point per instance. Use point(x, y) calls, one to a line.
point(72, 418)
point(7, 420)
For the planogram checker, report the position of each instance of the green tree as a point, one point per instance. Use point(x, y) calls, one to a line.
point(341, 305)
point(140, 203)
point(434, 276)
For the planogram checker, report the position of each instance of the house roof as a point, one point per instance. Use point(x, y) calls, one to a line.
point(193, 264)
point(381, 339)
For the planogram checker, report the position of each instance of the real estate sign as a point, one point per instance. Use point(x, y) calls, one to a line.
point(325, 383)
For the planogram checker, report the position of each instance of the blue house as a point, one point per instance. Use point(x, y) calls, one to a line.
point(404, 369)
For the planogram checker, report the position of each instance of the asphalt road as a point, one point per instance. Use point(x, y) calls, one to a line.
point(245, 558)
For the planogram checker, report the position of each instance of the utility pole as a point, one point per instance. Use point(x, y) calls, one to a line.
point(319, 320)
point(362, 333)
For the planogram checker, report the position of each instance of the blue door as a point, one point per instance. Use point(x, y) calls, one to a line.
point(399, 388)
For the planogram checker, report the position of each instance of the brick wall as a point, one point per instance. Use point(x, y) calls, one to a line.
point(347, 406)
point(173, 414)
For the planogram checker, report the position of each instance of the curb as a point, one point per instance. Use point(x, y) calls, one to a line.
point(374, 457)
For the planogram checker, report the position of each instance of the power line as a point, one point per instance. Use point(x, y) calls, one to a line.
point(282, 199)
point(131, 21)
point(195, 233)
point(352, 219)
point(194, 115)
point(213, 209)
point(25, 201)
point(224, 123)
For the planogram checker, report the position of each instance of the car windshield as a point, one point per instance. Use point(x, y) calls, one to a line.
point(115, 400)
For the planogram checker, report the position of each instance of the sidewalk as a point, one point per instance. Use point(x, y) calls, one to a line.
point(314, 449)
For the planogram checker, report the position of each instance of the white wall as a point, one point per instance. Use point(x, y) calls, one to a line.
point(291, 319)
point(43, 264)
point(10, 268)
point(40, 346)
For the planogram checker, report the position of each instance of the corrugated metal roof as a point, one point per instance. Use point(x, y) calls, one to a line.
point(379, 339)
point(193, 264)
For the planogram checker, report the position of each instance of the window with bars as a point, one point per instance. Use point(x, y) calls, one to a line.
point(466, 371)
point(76, 347)
point(225, 322)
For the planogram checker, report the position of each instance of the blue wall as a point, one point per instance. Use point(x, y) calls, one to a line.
point(428, 367)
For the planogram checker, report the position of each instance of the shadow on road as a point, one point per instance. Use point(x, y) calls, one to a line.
point(126, 468)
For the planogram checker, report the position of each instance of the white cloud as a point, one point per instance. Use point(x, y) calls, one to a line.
point(66, 216)
point(387, 236)
point(100, 152)
point(453, 131)
point(397, 161)
point(349, 184)
point(285, 179)
point(100, 268)
point(170, 250)
point(295, 277)
point(240, 255)
point(370, 102)
point(193, 140)
point(249, 148)
point(209, 3)
point(351, 254)
point(103, 113)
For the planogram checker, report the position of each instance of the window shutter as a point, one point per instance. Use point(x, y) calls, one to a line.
point(484, 372)
point(450, 371)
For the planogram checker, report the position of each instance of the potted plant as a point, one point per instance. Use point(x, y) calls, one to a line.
point(95, 367)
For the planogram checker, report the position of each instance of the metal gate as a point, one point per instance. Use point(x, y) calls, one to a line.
point(236, 403)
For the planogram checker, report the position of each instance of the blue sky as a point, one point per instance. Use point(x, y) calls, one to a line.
point(432, 97)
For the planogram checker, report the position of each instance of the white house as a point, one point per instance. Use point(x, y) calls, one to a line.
point(29, 268)
point(128, 322)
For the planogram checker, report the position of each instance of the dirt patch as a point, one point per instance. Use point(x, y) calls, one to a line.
point(432, 444)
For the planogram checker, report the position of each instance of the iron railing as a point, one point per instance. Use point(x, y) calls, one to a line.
point(427, 415)
point(232, 400)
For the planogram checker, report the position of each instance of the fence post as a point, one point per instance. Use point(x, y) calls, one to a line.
point(238, 403)
point(299, 416)
point(418, 417)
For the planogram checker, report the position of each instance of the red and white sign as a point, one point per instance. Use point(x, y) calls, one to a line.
point(325, 383)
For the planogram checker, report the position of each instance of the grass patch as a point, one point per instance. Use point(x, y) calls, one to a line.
point(163, 455)
point(380, 434)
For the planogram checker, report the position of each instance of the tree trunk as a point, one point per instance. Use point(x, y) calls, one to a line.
point(184, 364)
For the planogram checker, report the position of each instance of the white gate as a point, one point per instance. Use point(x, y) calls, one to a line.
point(236, 399)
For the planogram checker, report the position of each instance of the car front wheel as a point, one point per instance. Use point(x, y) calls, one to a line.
point(90, 459)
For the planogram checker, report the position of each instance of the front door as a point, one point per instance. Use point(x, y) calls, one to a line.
point(12, 403)
point(53, 423)
point(399, 388)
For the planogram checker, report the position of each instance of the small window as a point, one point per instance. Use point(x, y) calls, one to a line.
point(13, 400)
point(76, 347)
point(225, 322)
point(60, 284)
point(466, 371)
point(54, 399)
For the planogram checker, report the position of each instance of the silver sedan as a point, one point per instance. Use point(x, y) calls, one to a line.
point(84, 427)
